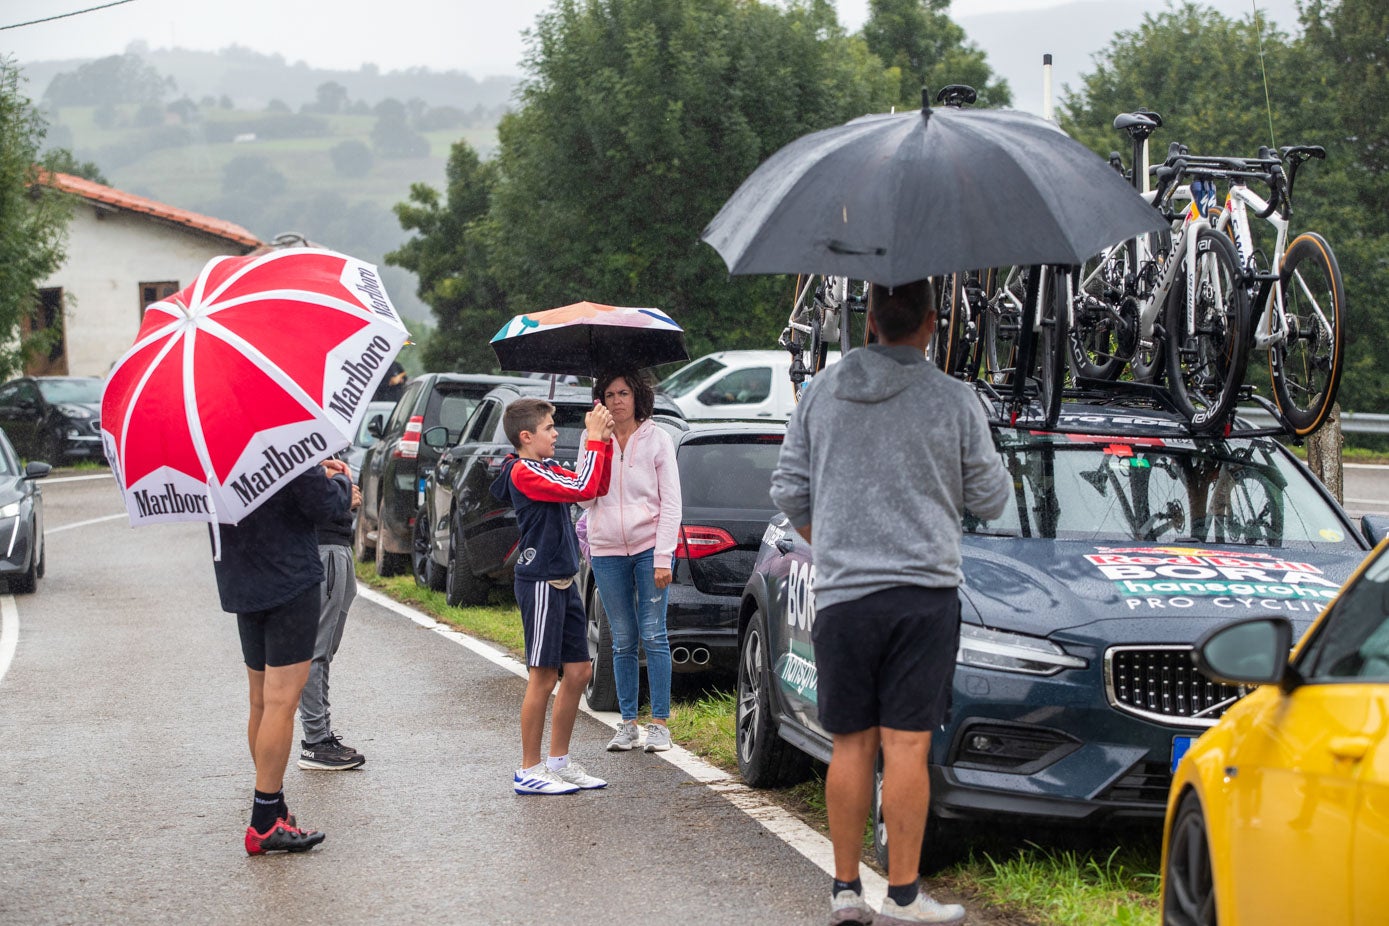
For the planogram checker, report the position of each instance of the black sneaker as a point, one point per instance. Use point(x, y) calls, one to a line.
point(329, 755)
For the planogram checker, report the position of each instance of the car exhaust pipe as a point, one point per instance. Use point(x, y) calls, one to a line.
point(700, 656)
point(679, 655)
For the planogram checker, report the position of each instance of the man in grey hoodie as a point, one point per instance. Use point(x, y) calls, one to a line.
point(887, 607)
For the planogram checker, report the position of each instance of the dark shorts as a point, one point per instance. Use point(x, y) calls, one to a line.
point(887, 659)
point(555, 623)
point(282, 635)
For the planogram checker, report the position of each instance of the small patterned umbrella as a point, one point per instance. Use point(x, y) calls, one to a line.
point(586, 337)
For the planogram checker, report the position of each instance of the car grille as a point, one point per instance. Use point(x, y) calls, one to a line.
point(1161, 683)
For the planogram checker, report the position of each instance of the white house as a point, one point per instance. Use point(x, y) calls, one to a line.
point(124, 252)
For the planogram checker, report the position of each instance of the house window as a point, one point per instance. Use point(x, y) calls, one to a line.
point(46, 352)
point(153, 292)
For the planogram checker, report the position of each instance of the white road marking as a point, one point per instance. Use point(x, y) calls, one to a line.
point(781, 824)
point(50, 482)
point(1365, 465)
point(68, 527)
point(9, 632)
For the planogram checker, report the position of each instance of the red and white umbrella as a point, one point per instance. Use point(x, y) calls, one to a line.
point(248, 377)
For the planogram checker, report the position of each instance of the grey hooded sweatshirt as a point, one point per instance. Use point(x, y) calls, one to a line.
point(882, 456)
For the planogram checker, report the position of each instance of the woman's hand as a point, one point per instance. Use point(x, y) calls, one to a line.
point(662, 577)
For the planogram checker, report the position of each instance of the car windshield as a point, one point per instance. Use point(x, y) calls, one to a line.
point(687, 378)
point(1147, 489)
point(736, 472)
point(87, 391)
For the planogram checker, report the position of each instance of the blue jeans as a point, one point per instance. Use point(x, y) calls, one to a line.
point(636, 610)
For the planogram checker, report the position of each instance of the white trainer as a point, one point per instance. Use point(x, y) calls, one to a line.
point(578, 776)
point(540, 780)
point(922, 910)
point(657, 737)
point(850, 907)
point(626, 737)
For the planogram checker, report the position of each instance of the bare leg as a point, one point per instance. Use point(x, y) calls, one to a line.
point(257, 684)
point(274, 730)
point(576, 675)
point(849, 796)
point(538, 688)
point(906, 795)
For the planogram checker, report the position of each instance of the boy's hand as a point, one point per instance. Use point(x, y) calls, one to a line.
point(599, 423)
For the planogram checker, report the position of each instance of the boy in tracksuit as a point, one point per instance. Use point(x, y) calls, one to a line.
point(552, 613)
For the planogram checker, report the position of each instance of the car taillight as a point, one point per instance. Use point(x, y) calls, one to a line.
point(409, 446)
point(698, 542)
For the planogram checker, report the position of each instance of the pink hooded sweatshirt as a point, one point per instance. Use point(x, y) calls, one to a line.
point(642, 509)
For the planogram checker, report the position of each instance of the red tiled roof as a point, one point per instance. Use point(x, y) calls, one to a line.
point(96, 192)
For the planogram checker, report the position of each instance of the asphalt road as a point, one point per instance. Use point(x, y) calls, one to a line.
point(126, 781)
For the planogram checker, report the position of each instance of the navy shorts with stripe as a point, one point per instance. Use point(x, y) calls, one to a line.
point(554, 621)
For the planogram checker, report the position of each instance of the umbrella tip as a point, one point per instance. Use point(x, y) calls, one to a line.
point(926, 102)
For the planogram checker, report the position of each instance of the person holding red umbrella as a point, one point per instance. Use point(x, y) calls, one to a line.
point(269, 575)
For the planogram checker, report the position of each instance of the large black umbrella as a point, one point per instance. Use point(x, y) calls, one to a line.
point(895, 198)
point(586, 338)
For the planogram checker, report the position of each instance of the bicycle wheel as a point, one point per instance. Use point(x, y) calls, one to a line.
point(1003, 310)
point(1102, 328)
point(1306, 368)
point(947, 347)
point(1047, 361)
point(1207, 349)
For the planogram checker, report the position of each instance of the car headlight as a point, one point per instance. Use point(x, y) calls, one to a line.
point(74, 411)
point(10, 511)
point(983, 648)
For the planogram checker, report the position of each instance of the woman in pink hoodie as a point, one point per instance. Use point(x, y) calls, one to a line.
point(631, 536)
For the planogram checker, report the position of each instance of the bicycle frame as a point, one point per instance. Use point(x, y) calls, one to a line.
point(1272, 326)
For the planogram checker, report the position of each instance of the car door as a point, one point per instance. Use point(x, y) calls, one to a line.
point(1308, 782)
point(453, 463)
point(790, 620)
point(378, 454)
point(21, 413)
point(741, 393)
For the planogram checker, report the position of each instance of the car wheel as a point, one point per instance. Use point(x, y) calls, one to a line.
point(1188, 893)
point(387, 563)
point(601, 692)
point(940, 844)
point(427, 572)
point(362, 548)
point(462, 588)
point(765, 760)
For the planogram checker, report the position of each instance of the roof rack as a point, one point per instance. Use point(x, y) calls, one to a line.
point(1002, 411)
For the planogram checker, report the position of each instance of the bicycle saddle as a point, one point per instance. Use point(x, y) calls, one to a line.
point(1139, 125)
point(957, 95)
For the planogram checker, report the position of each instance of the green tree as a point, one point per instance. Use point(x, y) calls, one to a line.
point(927, 49)
point(351, 158)
point(449, 254)
point(33, 216)
point(639, 118)
point(62, 161)
point(111, 80)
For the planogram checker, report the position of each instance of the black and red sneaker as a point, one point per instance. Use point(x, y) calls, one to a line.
point(284, 836)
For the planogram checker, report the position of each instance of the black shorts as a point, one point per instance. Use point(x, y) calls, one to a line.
point(887, 659)
point(282, 635)
point(554, 621)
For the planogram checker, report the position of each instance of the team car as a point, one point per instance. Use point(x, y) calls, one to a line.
point(1074, 694)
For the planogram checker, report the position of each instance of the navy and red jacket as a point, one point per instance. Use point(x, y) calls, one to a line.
point(541, 491)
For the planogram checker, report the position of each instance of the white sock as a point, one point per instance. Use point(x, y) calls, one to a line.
point(535, 769)
point(555, 763)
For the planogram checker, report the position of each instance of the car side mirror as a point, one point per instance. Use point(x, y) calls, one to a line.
point(1247, 652)
point(436, 437)
point(1374, 527)
point(374, 427)
point(37, 469)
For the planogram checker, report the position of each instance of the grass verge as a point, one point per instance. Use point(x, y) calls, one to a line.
point(1068, 879)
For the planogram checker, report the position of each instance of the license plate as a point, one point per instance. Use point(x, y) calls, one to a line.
point(419, 491)
point(1180, 745)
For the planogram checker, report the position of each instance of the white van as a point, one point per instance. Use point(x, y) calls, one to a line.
point(735, 384)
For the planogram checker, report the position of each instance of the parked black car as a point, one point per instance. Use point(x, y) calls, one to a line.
point(465, 541)
point(53, 418)
point(1074, 691)
point(22, 551)
point(725, 477)
point(395, 466)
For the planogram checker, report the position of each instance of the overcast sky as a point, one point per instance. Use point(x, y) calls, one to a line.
point(482, 37)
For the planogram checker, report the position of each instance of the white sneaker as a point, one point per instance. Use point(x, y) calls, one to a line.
point(626, 737)
point(921, 910)
point(657, 737)
point(850, 907)
point(540, 780)
point(576, 775)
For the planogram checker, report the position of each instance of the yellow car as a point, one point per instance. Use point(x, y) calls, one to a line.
point(1280, 812)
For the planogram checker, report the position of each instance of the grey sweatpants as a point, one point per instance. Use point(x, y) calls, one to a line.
point(339, 588)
